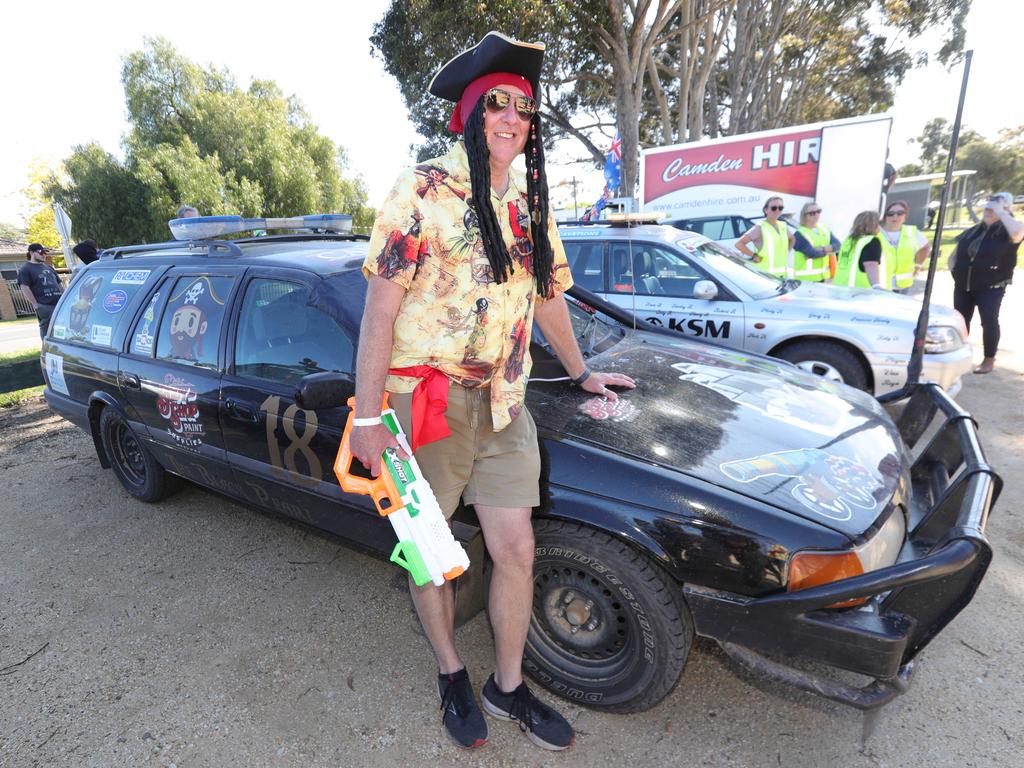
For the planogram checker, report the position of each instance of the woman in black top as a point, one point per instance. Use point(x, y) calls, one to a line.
point(982, 267)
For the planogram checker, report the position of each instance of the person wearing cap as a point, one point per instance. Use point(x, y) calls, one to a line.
point(40, 285)
point(463, 257)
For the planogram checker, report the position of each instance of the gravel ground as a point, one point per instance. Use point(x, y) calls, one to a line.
point(198, 632)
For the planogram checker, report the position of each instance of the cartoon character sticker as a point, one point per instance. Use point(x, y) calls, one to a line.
point(189, 319)
point(144, 338)
point(830, 485)
point(176, 402)
point(78, 320)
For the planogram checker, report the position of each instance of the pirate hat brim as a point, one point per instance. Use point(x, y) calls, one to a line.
point(494, 53)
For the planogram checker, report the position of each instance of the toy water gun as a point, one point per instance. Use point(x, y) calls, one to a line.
point(426, 547)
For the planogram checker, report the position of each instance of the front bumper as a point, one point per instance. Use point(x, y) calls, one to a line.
point(943, 559)
point(945, 369)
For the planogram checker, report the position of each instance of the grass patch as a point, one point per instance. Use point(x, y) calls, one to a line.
point(10, 399)
point(27, 319)
point(18, 357)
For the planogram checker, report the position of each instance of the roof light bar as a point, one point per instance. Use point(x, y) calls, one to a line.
point(652, 217)
point(205, 227)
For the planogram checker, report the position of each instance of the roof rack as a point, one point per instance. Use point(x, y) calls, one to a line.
point(206, 227)
point(127, 251)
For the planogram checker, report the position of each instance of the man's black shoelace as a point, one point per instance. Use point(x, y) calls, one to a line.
point(524, 706)
point(449, 697)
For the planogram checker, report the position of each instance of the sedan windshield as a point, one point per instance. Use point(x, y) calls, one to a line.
point(734, 268)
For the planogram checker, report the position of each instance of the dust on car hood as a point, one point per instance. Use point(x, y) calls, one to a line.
point(820, 450)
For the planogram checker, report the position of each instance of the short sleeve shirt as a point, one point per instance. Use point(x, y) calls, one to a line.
point(42, 280)
point(454, 316)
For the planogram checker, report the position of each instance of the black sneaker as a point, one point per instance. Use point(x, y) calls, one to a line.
point(461, 716)
point(543, 725)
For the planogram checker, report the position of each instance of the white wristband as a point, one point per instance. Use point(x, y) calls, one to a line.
point(367, 422)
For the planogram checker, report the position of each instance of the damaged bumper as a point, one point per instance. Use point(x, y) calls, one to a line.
point(943, 560)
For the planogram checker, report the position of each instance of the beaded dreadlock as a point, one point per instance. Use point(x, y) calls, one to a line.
point(537, 200)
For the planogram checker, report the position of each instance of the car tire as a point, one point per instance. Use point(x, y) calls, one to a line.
point(828, 359)
point(139, 472)
point(608, 630)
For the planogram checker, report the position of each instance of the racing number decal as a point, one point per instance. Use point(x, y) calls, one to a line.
point(296, 443)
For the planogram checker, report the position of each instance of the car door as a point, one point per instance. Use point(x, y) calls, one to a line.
point(656, 281)
point(170, 374)
point(283, 455)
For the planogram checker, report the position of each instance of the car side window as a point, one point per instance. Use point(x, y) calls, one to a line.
point(94, 306)
point(717, 229)
point(586, 260)
point(145, 327)
point(281, 338)
point(191, 324)
point(676, 276)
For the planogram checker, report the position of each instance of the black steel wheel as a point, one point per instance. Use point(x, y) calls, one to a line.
point(139, 472)
point(609, 630)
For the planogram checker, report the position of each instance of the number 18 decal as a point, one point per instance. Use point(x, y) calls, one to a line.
point(296, 443)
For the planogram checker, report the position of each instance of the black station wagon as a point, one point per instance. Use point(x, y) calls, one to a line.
point(730, 495)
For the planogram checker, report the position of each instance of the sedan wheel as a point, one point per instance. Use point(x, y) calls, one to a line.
point(139, 472)
point(828, 359)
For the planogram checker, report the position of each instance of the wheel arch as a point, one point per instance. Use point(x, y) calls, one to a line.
point(97, 402)
point(838, 341)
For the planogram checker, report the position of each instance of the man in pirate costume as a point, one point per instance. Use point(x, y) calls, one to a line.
point(463, 257)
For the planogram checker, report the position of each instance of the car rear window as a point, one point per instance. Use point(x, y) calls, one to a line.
point(95, 305)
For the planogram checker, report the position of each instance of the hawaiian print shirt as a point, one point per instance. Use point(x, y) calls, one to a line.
point(454, 316)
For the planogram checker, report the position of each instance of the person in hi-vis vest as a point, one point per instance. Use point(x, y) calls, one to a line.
point(771, 239)
point(862, 262)
point(814, 246)
point(906, 248)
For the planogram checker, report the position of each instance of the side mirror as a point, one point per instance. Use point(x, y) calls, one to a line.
point(705, 290)
point(324, 390)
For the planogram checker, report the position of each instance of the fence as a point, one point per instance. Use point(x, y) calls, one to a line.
point(21, 304)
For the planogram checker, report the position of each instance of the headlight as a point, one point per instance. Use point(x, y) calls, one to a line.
point(942, 338)
point(810, 569)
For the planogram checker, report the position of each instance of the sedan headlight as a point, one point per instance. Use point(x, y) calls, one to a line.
point(942, 338)
point(810, 569)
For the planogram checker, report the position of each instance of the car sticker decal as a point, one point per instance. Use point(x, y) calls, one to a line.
point(55, 373)
point(144, 339)
point(829, 485)
point(100, 335)
point(176, 402)
point(130, 276)
point(60, 331)
point(600, 409)
point(114, 301)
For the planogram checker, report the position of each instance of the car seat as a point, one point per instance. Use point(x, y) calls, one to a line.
point(647, 281)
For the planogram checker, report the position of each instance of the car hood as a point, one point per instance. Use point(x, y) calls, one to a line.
point(819, 450)
point(863, 305)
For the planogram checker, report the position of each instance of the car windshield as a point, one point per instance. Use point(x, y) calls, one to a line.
point(737, 270)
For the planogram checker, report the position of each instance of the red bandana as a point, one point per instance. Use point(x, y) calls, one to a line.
point(471, 95)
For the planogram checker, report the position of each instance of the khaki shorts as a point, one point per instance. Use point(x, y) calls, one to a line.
point(496, 469)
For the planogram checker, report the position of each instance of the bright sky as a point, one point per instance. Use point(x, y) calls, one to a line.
point(61, 79)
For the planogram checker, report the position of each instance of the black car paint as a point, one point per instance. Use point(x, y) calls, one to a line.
point(705, 529)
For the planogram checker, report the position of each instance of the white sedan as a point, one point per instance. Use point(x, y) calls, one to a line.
point(687, 283)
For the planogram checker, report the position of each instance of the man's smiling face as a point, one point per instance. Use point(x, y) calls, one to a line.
point(506, 132)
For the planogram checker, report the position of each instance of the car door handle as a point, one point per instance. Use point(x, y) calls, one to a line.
point(242, 410)
point(130, 380)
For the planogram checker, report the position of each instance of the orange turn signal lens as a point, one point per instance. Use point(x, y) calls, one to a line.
point(811, 569)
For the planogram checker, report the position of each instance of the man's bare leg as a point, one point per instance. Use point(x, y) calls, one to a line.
point(509, 537)
point(435, 607)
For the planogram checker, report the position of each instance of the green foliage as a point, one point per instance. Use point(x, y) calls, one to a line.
point(12, 232)
point(196, 138)
point(999, 165)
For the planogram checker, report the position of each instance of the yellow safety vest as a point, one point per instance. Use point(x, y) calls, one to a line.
point(812, 270)
point(774, 250)
point(849, 272)
point(901, 257)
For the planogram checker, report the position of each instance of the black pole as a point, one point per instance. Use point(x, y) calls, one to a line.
point(917, 354)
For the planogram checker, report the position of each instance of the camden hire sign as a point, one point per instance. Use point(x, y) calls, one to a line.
point(784, 163)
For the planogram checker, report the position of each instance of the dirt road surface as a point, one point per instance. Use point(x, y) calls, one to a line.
point(198, 632)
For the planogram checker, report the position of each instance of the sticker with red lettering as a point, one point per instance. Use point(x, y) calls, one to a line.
point(176, 402)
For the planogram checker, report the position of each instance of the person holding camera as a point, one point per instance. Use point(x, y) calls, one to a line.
point(982, 266)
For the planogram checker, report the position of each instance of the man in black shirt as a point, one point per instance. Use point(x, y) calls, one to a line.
point(40, 285)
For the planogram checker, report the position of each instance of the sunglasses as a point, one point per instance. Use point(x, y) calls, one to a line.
point(813, 213)
point(498, 99)
point(897, 212)
point(774, 208)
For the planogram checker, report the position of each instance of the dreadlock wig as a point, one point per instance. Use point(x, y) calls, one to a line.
point(536, 194)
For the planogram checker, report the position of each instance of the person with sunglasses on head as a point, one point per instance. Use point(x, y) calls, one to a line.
point(463, 257)
point(814, 246)
point(862, 262)
point(982, 266)
point(771, 239)
point(906, 248)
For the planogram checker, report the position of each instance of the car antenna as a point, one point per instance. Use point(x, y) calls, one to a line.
point(917, 354)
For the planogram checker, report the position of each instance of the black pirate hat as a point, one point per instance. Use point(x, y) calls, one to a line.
point(494, 53)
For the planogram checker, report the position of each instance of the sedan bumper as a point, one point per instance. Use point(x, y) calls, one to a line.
point(943, 559)
point(945, 369)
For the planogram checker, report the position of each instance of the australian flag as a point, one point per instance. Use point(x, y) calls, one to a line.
point(613, 165)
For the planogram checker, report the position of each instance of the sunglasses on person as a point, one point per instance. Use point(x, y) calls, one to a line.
point(498, 99)
point(896, 212)
point(814, 213)
point(774, 208)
